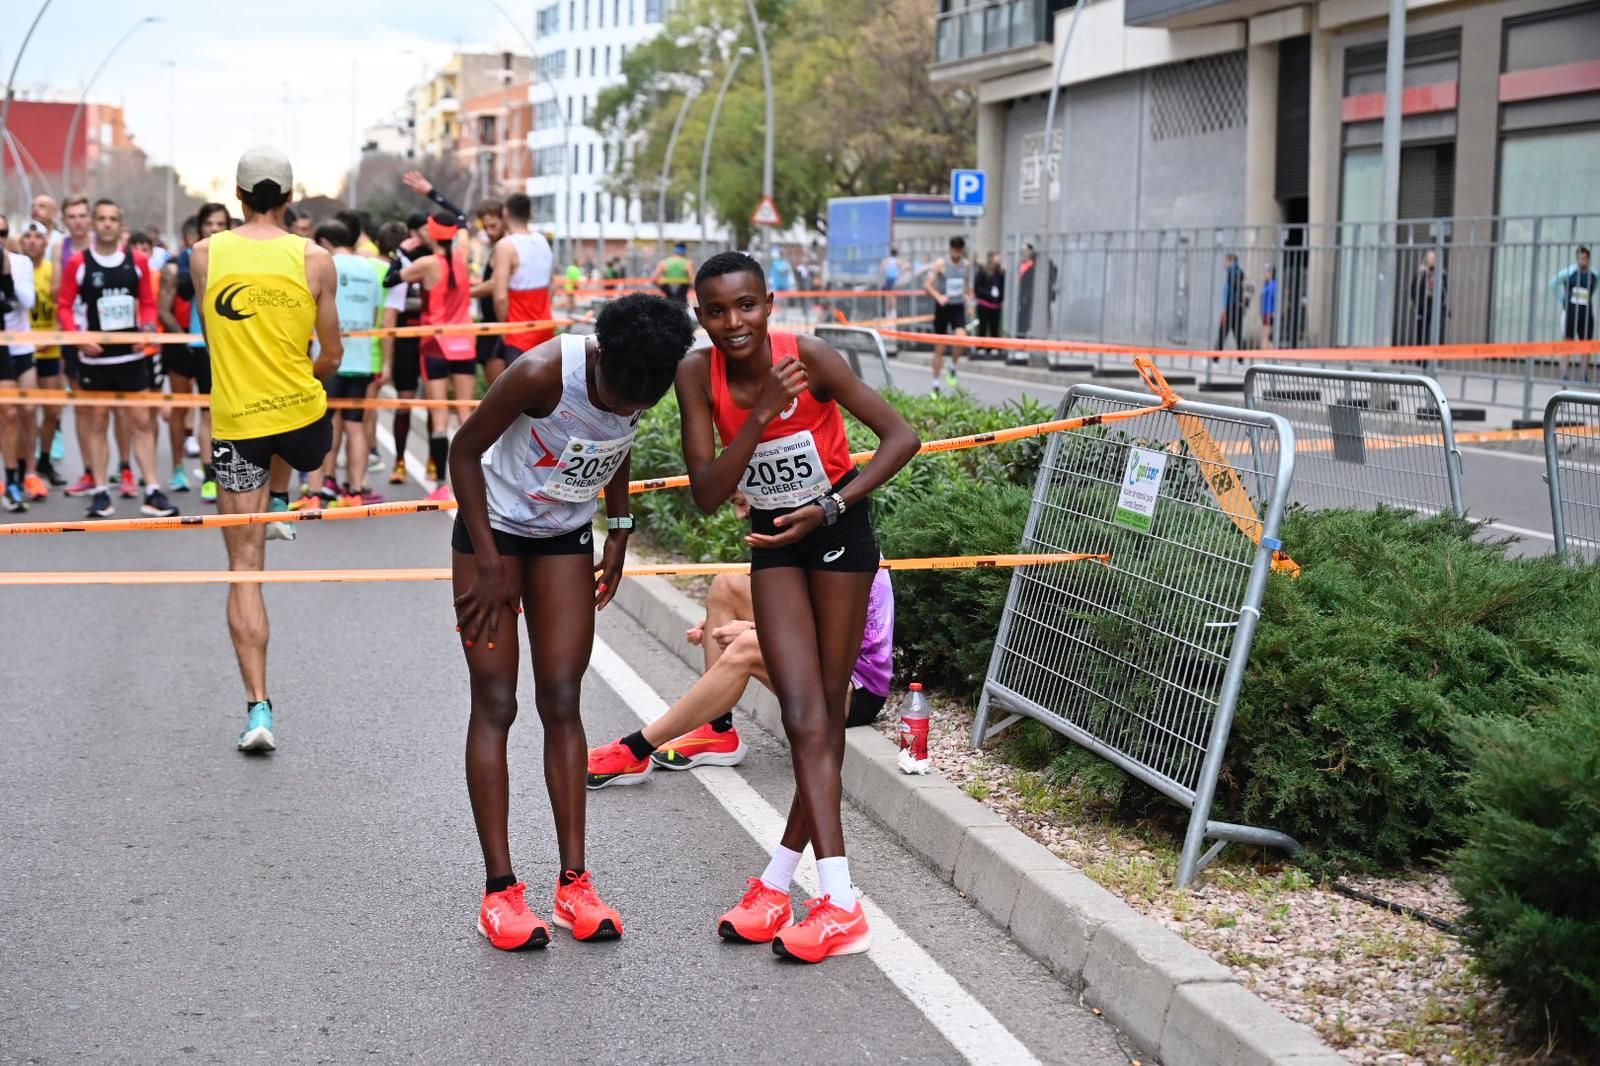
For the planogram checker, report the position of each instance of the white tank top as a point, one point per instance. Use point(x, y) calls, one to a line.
point(534, 260)
point(544, 474)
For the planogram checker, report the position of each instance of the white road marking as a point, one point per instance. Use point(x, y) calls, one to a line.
point(386, 440)
point(959, 1018)
point(1490, 453)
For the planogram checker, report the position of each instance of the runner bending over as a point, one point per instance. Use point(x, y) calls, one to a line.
point(775, 402)
point(262, 292)
point(551, 433)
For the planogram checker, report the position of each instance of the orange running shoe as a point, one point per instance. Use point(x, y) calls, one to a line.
point(614, 764)
point(580, 909)
point(508, 923)
point(826, 930)
point(703, 747)
point(759, 917)
point(35, 487)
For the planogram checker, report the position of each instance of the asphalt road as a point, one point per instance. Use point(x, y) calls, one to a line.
point(165, 899)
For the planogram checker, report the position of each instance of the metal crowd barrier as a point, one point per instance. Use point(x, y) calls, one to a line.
point(1141, 661)
point(857, 341)
point(1572, 469)
point(1363, 439)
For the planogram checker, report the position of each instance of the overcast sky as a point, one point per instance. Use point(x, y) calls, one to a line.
point(343, 61)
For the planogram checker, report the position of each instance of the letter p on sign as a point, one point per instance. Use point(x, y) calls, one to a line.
point(967, 188)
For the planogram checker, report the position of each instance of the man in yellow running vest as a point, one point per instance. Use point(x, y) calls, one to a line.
point(262, 291)
point(674, 275)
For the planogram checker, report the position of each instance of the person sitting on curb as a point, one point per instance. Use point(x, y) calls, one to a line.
point(702, 718)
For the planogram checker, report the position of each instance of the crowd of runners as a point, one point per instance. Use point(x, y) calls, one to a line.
point(273, 299)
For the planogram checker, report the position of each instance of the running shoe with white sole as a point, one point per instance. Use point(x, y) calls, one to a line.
point(156, 504)
point(208, 491)
point(762, 914)
point(279, 530)
point(702, 747)
point(614, 764)
point(35, 487)
point(191, 447)
point(506, 922)
point(127, 484)
point(826, 930)
point(180, 479)
point(14, 499)
point(101, 506)
point(84, 486)
point(581, 910)
point(257, 735)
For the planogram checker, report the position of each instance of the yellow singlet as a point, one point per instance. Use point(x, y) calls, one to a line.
point(259, 317)
point(43, 315)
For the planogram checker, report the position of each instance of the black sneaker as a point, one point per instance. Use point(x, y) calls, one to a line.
point(47, 470)
point(100, 506)
point(156, 504)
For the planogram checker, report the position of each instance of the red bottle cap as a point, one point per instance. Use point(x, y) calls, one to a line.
point(916, 686)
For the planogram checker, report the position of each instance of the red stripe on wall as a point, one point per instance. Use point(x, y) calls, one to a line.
point(1540, 82)
point(1417, 100)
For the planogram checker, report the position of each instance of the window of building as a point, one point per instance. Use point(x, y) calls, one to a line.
point(600, 14)
point(616, 12)
point(613, 209)
point(1550, 173)
point(553, 64)
point(548, 161)
point(548, 21)
point(1197, 97)
point(547, 114)
point(652, 10)
point(577, 62)
point(486, 129)
point(572, 14)
point(608, 61)
point(631, 12)
point(593, 66)
point(569, 110)
point(583, 207)
point(576, 151)
point(543, 209)
point(591, 159)
point(585, 14)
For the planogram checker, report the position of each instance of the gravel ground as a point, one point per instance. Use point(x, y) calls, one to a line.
point(1378, 986)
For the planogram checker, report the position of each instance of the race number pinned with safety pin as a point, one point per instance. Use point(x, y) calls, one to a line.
point(786, 472)
point(584, 468)
point(1141, 487)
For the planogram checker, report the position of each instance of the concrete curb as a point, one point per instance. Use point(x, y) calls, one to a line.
point(1172, 999)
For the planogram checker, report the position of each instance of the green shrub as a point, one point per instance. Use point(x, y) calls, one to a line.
point(1366, 666)
point(1531, 864)
point(945, 620)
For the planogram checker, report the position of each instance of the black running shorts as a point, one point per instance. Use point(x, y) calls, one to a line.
point(350, 387)
point(578, 541)
point(243, 465)
point(849, 546)
point(949, 317)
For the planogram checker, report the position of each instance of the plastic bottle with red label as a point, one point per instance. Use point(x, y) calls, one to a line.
point(914, 758)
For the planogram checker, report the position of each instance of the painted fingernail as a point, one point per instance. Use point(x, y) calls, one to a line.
point(491, 645)
point(458, 629)
point(469, 643)
point(519, 610)
point(602, 588)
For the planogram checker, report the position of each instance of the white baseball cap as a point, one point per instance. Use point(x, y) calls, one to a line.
point(264, 163)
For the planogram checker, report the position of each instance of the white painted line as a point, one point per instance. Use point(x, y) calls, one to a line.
point(1490, 453)
point(1524, 531)
point(386, 440)
point(960, 1019)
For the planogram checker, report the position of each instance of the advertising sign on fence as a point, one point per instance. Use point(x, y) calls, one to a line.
point(1141, 486)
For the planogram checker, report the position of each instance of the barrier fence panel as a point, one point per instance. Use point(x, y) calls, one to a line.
point(856, 343)
point(1363, 439)
point(1141, 660)
point(1572, 468)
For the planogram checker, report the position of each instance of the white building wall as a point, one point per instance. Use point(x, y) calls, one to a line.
point(593, 34)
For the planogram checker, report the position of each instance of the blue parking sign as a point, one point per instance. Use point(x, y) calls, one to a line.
point(967, 191)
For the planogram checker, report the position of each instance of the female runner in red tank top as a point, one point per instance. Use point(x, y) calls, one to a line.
point(774, 400)
point(449, 361)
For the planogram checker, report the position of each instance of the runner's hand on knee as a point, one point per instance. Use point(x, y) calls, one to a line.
point(478, 609)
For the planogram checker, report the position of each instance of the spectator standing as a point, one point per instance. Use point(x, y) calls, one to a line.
point(1269, 305)
point(1426, 288)
point(1233, 303)
point(989, 290)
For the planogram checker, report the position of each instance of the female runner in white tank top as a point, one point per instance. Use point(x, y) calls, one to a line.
point(553, 431)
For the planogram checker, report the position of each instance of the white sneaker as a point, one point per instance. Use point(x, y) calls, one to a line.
point(191, 447)
point(281, 531)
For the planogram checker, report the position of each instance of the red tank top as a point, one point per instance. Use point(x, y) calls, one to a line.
point(529, 305)
point(803, 452)
point(450, 303)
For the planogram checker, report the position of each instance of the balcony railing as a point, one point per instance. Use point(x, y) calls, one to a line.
point(984, 27)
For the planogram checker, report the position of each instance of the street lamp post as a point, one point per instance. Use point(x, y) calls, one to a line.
point(767, 147)
point(172, 143)
point(77, 114)
point(711, 132)
point(5, 104)
point(690, 94)
point(566, 128)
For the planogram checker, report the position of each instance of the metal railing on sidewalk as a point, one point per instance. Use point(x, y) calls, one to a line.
point(1572, 469)
point(1363, 439)
point(856, 343)
point(1141, 661)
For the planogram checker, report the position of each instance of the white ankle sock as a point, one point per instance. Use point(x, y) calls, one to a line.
point(834, 874)
point(780, 869)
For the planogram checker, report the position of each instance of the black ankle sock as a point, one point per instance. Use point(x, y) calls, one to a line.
point(284, 496)
point(22, 471)
point(124, 465)
point(499, 884)
point(569, 876)
point(248, 704)
point(723, 724)
point(209, 471)
point(402, 430)
point(636, 743)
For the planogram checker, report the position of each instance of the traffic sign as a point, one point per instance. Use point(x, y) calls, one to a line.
point(766, 214)
point(968, 189)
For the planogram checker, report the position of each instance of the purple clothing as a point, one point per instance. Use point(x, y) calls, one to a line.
point(875, 669)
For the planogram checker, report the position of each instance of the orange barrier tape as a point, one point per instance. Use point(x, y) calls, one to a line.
point(46, 338)
point(285, 577)
point(62, 398)
point(1394, 354)
point(225, 521)
point(1223, 480)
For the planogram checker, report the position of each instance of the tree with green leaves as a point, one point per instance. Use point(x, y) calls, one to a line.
point(855, 112)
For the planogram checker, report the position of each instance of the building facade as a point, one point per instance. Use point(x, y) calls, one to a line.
point(37, 150)
point(437, 103)
point(581, 47)
point(1189, 129)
